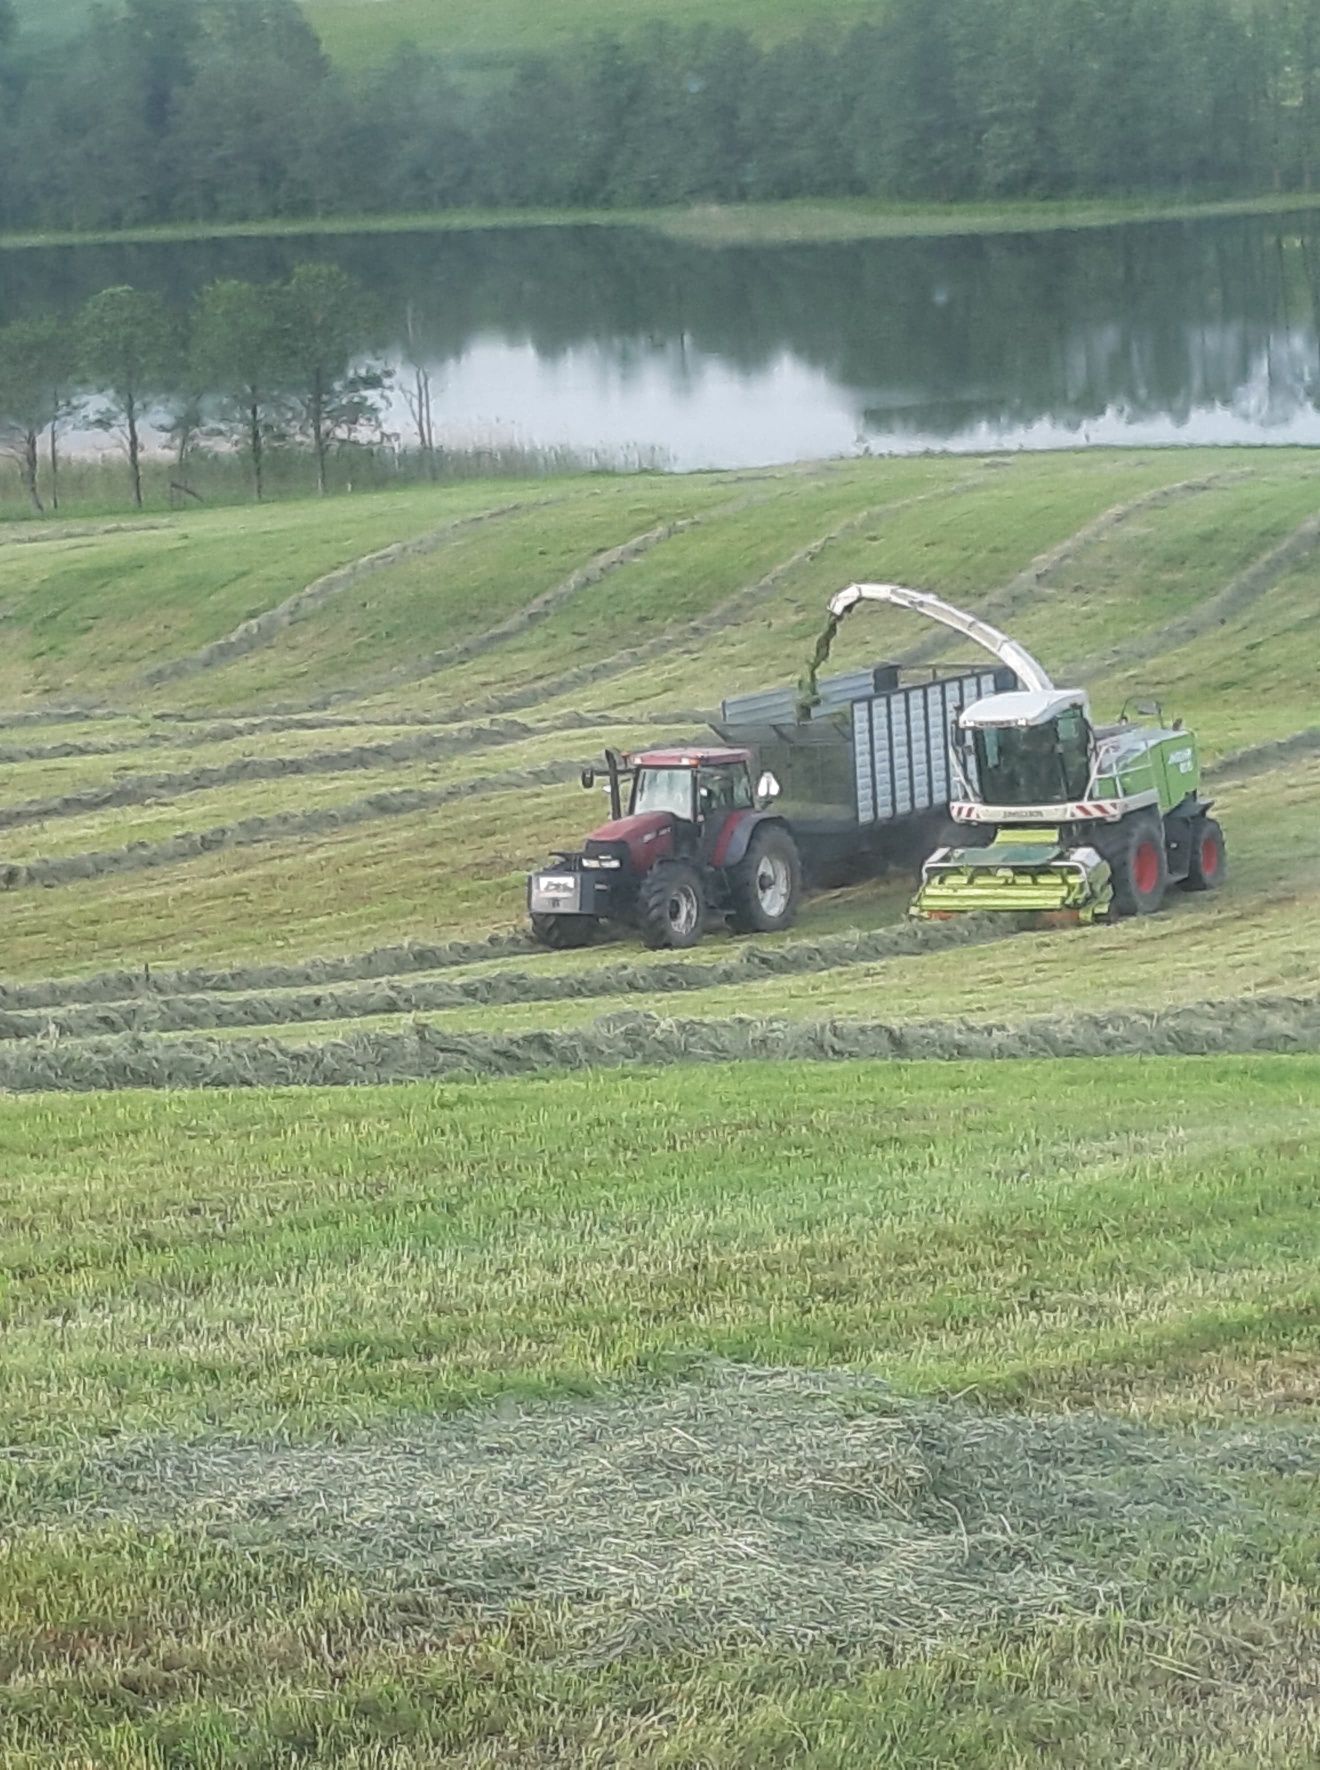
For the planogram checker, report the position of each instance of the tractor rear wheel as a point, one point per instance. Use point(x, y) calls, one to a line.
point(562, 933)
point(766, 884)
point(1209, 858)
point(1139, 862)
point(671, 905)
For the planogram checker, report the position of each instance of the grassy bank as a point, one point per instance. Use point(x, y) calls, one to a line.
point(714, 224)
point(270, 685)
point(738, 1411)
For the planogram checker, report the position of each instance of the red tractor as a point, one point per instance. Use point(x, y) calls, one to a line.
point(698, 840)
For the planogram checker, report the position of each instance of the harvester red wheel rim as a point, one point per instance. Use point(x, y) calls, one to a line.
point(1210, 855)
point(1146, 868)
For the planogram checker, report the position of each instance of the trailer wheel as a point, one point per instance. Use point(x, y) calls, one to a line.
point(564, 932)
point(766, 884)
point(671, 906)
point(1209, 858)
point(1140, 866)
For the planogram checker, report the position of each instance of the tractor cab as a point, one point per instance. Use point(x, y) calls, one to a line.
point(695, 785)
point(1031, 748)
point(698, 787)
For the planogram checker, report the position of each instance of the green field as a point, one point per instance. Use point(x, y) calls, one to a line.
point(864, 1347)
point(359, 31)
point(356, 31)
point(797, 222)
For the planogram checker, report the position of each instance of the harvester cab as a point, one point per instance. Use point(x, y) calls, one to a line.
point(689, 838)
point(1088, 821)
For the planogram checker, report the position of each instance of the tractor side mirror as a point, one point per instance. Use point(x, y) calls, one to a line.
point(767, 788)
point(588, 778)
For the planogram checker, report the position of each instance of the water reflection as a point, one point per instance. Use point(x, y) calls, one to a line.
point(1198, 332)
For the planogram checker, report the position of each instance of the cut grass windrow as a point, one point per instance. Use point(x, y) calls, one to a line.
point(182, 730)
point(14, 755)
point(263, 628)
point(149, 1011)
point(429, 745)
point(425, 1052)
point(1025, 585)
point(434, 742)
point(726, 614)
point(277, 827)
point(54, 714)
point(593, 572)
point(205, 728)
point(1250, 584)
point(379, 962)
point(743, 1504)
point(1265, 758)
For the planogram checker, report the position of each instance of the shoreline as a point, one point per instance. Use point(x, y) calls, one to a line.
point(799, 222)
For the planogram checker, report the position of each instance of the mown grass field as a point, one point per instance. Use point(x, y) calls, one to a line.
point(1007, 1452)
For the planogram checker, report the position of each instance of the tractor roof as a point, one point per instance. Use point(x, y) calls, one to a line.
point(1023, 707)
point(696, 757)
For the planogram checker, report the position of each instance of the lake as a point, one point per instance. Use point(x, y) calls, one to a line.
point(623, 340)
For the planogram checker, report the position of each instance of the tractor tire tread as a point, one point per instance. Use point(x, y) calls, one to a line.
point(564, 933)
point(654, 900)
point(748, 915)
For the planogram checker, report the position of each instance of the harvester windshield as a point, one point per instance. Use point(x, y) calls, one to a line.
point(1044, 764)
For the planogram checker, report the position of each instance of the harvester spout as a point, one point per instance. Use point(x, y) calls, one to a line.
point(1031, 674)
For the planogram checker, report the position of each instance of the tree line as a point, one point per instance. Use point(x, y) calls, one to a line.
point(197, 110)
point(250, 368)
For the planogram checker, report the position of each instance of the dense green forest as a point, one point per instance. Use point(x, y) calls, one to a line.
point(212, 109)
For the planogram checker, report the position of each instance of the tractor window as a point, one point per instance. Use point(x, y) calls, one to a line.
point(725, 789)
point(664, 789)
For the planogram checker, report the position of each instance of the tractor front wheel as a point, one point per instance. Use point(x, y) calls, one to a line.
point(562, 933)
point(1209, 858)
point(766, 884)
point(671, 906)
point(1139, 862)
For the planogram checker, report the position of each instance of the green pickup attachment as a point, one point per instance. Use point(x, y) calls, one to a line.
point(1022, 872)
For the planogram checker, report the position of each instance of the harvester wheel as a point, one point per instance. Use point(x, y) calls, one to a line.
point(563, 932)
point(671, 906)
point(1209, 858)
point(1137, 858)
point(766, 884)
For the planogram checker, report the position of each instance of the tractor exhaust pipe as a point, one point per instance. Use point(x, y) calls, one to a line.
point(616, 769)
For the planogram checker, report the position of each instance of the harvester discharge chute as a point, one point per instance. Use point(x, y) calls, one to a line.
point(1086, 821)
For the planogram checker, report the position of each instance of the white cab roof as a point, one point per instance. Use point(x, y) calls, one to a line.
point(1024, 707)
